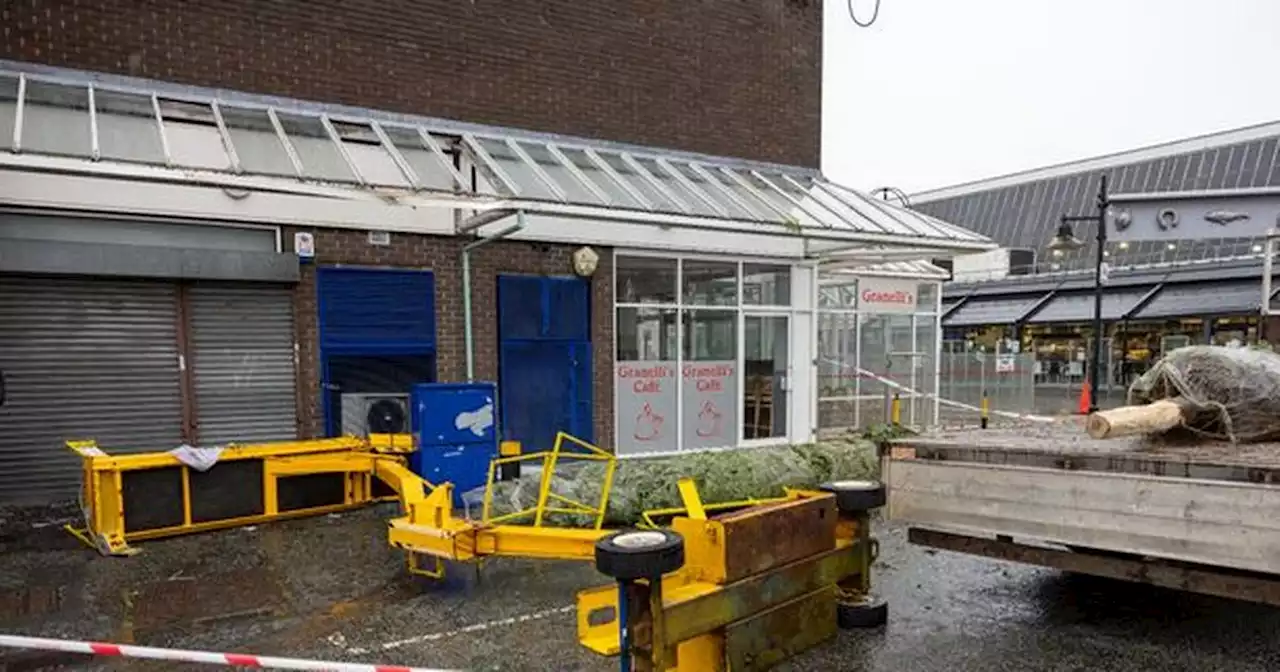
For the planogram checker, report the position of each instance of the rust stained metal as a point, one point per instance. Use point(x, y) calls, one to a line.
point(748, 597)
point(1246, 586)
point(771, 637)
point(758, 586)
point(763, 537)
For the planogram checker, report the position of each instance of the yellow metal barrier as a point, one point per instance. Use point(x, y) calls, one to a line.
point(550, 459)
point(757, 586)
point(135, 497)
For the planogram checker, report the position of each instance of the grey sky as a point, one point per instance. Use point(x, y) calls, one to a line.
point(945, 91)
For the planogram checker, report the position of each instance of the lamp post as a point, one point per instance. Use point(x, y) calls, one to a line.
point(1066, 240)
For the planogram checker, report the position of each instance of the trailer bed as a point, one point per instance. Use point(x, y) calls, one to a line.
point(1196, 515)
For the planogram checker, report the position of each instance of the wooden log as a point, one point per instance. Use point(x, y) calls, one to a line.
point(1158, 416)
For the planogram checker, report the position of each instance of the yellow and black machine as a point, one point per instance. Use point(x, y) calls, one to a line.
point(723, 586)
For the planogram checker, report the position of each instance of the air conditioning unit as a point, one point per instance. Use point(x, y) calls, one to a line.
point(374, 413)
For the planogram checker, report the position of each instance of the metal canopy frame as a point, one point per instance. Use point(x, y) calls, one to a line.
point(85, 123)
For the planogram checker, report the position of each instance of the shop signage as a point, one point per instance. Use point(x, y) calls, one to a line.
point(710, 404)
point(887, 295)
point(646, 399)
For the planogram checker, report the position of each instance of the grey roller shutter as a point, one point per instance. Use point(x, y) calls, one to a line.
point(243, 364)
point(83, 359)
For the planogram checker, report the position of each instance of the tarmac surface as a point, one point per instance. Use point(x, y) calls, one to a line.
point(331, 588)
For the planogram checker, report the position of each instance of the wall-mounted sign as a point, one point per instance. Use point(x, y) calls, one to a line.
point(304, 244)
point(888, 295)
point(710, 404)
point(646, 412)
point(1180, 217)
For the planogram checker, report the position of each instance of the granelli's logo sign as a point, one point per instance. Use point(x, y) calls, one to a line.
point(883, 295)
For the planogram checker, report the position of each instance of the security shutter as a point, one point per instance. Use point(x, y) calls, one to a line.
point(83, 359)
point(243, 364)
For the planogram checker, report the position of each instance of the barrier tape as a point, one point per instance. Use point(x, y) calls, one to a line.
point(228, 659)
point(945, 402)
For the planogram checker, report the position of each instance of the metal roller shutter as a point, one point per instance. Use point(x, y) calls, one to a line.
point(243, 364)
point(83, 359)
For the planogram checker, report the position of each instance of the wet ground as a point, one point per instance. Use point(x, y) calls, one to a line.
point(330, 588)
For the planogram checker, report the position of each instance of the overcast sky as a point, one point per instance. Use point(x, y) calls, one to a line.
point(939, 92)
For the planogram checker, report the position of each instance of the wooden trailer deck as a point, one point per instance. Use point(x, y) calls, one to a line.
point(1203, 517)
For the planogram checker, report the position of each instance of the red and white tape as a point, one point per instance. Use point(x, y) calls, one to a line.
point(229, 659)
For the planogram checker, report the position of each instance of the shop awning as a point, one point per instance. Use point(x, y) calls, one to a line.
point(1201, 299)
point(1078, 306)
point(987, 311)
point(55, 120)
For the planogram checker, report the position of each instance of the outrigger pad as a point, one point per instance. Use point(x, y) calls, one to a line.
point(868, 612)
point(639, 554)
point(856, 496)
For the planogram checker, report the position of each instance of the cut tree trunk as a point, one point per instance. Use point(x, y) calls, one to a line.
point(1153, 418)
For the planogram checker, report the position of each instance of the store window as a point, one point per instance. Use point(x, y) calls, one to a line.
point(709, 379)
point(841, 293)
point(709, 283)
point(646, 280)
point(647, 334)
point(766, 285)
point(703, 353)
point(877, 337)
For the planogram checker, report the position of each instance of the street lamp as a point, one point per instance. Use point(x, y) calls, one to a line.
point(1066, 240)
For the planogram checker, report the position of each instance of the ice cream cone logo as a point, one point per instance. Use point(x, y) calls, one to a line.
point(709, 420)
point(648, 424)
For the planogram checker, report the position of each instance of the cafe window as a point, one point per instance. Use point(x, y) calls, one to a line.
point(703, 352)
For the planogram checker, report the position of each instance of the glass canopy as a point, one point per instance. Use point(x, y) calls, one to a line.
point(182, 130)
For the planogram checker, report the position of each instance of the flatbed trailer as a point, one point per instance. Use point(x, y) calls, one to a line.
point(1202, 518)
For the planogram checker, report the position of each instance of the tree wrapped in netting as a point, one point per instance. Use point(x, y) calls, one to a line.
point(1219, 393)
point(646, 484)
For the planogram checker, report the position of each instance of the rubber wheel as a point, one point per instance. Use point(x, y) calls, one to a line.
point(639, 554)
point(871, 612)
point(856, 496)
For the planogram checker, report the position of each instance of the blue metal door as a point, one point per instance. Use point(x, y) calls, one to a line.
point(544, 369)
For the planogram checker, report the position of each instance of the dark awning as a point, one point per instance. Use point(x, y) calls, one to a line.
point(1007, 310)
point(1200, 299)
point(1078, 306)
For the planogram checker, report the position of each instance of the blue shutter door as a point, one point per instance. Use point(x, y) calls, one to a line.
point(377, 333)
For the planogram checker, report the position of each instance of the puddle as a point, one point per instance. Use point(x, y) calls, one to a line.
point(27, 602)
point(210, 599)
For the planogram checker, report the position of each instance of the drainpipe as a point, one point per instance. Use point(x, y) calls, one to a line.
point(468, 337)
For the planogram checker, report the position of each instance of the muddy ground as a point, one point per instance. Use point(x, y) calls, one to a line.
point(330, 588)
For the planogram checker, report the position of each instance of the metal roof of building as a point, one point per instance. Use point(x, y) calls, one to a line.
point(1022, 210)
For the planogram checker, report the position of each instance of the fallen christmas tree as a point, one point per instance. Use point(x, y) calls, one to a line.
point(646, 484)
point(1213, 392)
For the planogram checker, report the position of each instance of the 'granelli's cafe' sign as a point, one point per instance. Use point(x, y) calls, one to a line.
point(887, 295)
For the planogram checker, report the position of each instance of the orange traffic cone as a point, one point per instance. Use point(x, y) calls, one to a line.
point(1086, 399)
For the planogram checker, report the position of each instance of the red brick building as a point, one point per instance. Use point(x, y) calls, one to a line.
point(241, 221)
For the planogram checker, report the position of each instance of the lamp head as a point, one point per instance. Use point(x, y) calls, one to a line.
point(1065, 239)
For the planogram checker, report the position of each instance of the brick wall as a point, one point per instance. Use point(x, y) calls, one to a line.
point(728, 77)
point(442, 256)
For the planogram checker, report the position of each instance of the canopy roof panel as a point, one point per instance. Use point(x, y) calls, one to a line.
point(181, 133)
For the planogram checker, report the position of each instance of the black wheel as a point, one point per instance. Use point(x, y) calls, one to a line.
point(639, 554)
point(868, 612)
point(856, 496)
